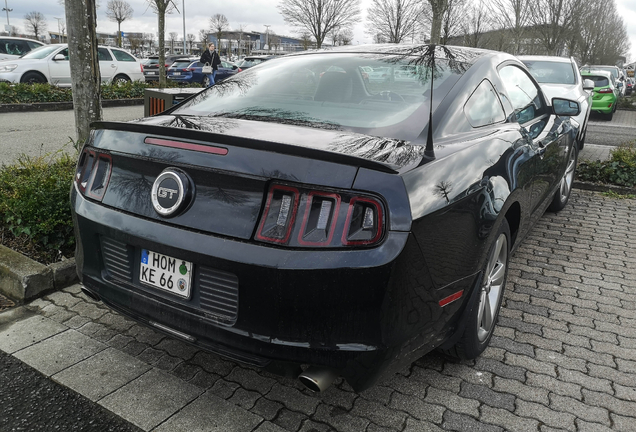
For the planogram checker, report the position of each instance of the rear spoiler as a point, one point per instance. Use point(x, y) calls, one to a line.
point(204, 137)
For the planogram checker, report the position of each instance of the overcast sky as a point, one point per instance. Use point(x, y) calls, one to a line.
point(252, 14)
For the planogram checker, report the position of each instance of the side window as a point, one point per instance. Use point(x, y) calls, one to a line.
point(64, 52)
point(103, 54)
point(483, 106)
point(33, 45)
point(21, 47)
point(3, 46)
point(122, 56)
point(523, 94)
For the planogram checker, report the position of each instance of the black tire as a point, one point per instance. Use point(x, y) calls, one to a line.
point(609, 116)
point(562, 195)
point(33, 78)
point(205, 81)
point(121, 79)
point(484, 310)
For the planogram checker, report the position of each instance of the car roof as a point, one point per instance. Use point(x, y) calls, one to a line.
point(596, 72)
point(21, 38)
point(554, 59)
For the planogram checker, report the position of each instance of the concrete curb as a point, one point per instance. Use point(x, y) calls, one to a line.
point(61, 106)
point(23, 279)
point(601, 187)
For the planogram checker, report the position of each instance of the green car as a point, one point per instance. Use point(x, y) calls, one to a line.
point(605, 93)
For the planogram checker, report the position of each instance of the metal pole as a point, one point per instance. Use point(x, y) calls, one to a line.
point(59, 31)
point(184, 32)
point(6, 8)
point(267, 26)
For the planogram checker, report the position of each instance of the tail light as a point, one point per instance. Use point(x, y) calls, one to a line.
point(605, 90)
point(300, 217)
point(93, 173)
point(240, 70)
point(141, 67)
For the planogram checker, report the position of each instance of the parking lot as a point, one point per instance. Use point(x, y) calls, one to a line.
point(563, 356)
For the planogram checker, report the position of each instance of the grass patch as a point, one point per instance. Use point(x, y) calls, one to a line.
point(619, 170)
point(35, 212)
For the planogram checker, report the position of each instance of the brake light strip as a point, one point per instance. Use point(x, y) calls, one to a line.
point(187, 146)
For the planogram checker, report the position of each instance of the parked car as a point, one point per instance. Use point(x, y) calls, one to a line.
point(605, 94)
point(616, 73)
point(189, 71)
point(560, 77)
point(629, 86)
point(151, 66)
point(250, 61)
point(333, 226)
point(50, 63)
point(14, 47)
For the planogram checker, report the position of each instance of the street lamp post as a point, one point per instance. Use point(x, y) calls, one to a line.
point(267, 36)
point(7, 10)
point(59, 32)
point(184, 32)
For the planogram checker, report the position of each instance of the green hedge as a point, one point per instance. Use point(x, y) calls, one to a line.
point(35, 213)
point(620, 169)
point(32, 93)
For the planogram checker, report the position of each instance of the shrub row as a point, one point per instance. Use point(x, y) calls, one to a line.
point(620, 169)
point(35, 213)
point(32, 93)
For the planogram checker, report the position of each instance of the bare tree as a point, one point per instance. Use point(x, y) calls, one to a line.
point(161, 8)
point(191, 38)
point(475, 23)
point(305, 40)
point(320, 17)
point(173, 37)
point(552, 21)
point(512, 17)
point(345, 37)
point(149, 38)
point(239, 40)
point(603, 36)
point(203, 38)
point(395, 20)
point(135, 44)
point(81, 16)
point(219, 25)
point(118, 11)
point(452, 19)
point(35, 23)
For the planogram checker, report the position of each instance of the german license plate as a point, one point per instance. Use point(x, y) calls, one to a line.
point(166, 273)
point(150, 73)
point(176, 73)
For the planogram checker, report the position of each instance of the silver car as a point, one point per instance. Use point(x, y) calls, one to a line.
point(14, 47)
point(560, 77)
point(50, 63)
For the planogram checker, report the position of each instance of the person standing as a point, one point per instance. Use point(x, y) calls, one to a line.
point(211, 57)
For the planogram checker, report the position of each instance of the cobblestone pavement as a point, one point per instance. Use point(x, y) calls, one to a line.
point(563, 356)
point(594, 152)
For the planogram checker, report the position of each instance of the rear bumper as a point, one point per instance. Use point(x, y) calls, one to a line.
point(364, 312)
point(604, 105)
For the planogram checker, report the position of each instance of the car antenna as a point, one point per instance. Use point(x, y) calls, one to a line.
point(429, 139)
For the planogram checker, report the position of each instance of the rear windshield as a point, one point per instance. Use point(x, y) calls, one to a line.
point(181, 64)
point(251, 62)
point(612, 69)
point(152, 61)
point(332, 91)
point(599, 81)
point(552, 72)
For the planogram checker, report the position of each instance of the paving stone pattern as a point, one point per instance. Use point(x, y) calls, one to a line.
point(563, 356)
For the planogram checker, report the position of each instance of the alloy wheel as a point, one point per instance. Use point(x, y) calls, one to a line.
point(492, 288)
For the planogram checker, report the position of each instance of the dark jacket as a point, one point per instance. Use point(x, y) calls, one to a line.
point(212, 58)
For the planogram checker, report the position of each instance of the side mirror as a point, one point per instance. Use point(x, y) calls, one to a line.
point(59, 57)
point(620, 84)
point(565, 107)
point(234, 67)
point(588, 84)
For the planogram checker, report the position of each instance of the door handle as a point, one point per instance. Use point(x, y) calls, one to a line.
point(112, 65)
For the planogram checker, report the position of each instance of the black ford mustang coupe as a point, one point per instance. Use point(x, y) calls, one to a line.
point(324, 228)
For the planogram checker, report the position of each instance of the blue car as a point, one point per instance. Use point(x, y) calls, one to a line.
point(188, 71)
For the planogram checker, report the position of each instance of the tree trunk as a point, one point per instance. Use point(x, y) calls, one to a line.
point(162, 48)
point(85, 76)
point(438, 8)
point(119, 34)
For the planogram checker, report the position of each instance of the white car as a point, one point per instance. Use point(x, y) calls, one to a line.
point(559, 77)
point(14, 47)
point(50, 63)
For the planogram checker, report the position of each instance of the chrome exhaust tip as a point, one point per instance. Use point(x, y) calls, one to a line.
point(317, 379)
point(90, 294)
